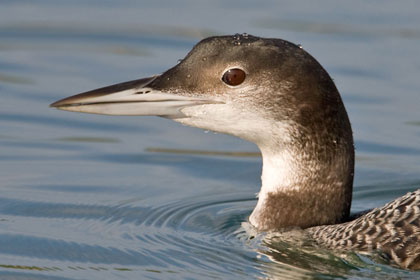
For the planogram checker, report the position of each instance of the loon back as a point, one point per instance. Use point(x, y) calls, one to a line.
point(393, 229)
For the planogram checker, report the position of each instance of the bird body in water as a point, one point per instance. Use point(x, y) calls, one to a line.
point(273, 93)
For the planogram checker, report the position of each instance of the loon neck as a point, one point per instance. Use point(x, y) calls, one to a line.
point(304, 186)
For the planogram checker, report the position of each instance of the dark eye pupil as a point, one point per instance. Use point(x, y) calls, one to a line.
point(234, 77)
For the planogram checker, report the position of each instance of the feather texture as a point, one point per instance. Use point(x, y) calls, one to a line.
point(393, 230)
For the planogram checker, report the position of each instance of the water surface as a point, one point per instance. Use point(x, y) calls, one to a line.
point(99, 197)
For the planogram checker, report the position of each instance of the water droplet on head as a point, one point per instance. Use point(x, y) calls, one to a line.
point(179, 60)
point(300, 46)
point(188, 76)
point(204, 58)
point(168, 79)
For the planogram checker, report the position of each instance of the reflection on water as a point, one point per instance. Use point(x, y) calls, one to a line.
point(413, 123)
point(95, 197)
point(339, 28)
point(208, 153)
point(88, 139)
point(15, 79)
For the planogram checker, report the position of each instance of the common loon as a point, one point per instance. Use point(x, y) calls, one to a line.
point(273, 93)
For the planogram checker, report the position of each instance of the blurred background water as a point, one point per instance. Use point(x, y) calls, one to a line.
point(99, 197)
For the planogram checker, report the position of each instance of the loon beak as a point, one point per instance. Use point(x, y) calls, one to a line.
point(136, 97)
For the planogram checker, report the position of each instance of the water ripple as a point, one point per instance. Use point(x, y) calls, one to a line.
point(199, 233)
point(195, 234)
point(61, 122)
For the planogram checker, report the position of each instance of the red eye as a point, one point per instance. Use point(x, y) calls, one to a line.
point(234, 77)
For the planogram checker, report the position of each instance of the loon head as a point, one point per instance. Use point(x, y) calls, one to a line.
point(267, 91)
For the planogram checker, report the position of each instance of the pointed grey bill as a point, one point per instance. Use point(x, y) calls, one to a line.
point(133, 98)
